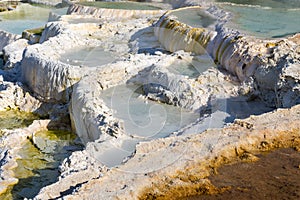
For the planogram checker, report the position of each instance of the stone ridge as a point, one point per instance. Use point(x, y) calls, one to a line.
point(197, 157)
point(110, 13)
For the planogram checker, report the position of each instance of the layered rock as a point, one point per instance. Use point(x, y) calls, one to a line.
point(175, 35)
point(167, 166)
point(13, 53)
point(92, 119)
point(110, 13)
point(160, 84)
point(43, 73)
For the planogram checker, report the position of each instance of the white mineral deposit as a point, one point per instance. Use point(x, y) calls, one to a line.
point(144, 100)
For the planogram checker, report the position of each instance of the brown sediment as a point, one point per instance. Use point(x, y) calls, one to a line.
point(274, 176)
point(194, 178)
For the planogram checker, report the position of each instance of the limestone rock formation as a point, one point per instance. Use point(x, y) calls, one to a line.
point(110, 13)
point(246, 57)
point(40, 66)
point(158, 53)
point(6, 38)
point(182, 164)
point(13, 53)
point(13, 96)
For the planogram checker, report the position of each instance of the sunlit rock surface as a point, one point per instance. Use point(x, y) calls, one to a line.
point(38, 68)
point(242, 55)
point(223, 76)
point(110, 13)
point(178, 167)
point(13, 53)
point(15, 97)
point(7, 38)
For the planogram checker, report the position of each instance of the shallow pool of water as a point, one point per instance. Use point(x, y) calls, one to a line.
point(270, 19)
point(143, 118)
point(36, 167)
point(121, 5)
point(286, 4)
point(12, 119)
point(113, 153)
point(195, 17)
point(87, 56)
point(191, 68)
point(24, 17)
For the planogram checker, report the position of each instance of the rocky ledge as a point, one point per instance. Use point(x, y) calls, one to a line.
point(209, 81)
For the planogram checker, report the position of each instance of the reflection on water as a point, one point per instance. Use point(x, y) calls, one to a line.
point(87, 56)
point(195, 17)
point(275, 19)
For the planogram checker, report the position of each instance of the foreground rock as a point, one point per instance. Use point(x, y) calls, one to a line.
point(179, 166)
point(10, 151)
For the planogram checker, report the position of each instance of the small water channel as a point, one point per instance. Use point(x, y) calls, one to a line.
point(39, 161)
point(38, 158)
point(87, 56)
point(265, 19)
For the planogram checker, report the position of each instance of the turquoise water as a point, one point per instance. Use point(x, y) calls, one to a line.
point(268, 19)
point(283, 4)
point(25, 17)
point(121, 5)
point(195, 17)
